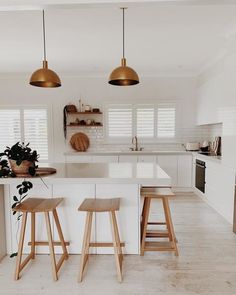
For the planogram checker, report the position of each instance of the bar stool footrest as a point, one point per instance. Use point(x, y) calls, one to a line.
point(159, 246)
point(104, 244)
point(156, 223)
point(157, 234)
point(45, 243)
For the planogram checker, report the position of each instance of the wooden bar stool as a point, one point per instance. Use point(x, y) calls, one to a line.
point(33, 206)
point(101, 205)
point(163, 194)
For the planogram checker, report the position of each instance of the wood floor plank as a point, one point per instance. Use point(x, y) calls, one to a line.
point(206, 266)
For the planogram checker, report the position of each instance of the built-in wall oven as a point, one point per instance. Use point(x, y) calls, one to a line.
point(200, 175)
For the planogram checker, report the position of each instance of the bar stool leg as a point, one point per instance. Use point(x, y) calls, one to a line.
point(143, 215)
point(85, 247)
point(20, 247)
point(145, 224)
point(61, 237)
point(170, 224)
point(115, 245)
point(33, 235)
point(51, 246)
point(118, 238)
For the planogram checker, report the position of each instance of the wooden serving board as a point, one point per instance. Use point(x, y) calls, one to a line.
point(42, 171)
point(79, 142)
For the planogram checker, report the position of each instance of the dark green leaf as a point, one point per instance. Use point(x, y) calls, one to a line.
point(15, 199)
point(14, 205)
point(13, 255)
point(32, 171)
point(19, 217)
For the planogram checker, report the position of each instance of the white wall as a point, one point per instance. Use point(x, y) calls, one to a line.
point(96, 91)
point(216, 102)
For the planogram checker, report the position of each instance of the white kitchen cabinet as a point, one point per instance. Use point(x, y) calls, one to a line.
point(127, 216)
point(147, 159)
point(105, 159)
point(185, 171)
point(220, 188)
point(73, 221)
point(78, 159)
point(128, 159)
point(169, 164)
point(2, 224)
point(38, 190)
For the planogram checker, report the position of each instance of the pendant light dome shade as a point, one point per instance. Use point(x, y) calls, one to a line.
point(45, 77)
point(123, 75)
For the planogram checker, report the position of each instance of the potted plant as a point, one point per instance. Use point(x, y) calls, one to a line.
point(21, 158)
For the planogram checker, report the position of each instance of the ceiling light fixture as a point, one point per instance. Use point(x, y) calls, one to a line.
point(123, 75)
point(45, 77)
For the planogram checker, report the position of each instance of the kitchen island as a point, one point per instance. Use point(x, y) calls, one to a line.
point(75, 182)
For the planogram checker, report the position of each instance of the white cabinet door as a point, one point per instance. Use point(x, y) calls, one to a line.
point(220, 188)
point(169, 164)
point(38, 191)
point(147, 159)
point(127, 216)
point(79, 159)
point(105, 159)
point(2, 225)
point(73, 221)
point(185, 171)
point(128, 159)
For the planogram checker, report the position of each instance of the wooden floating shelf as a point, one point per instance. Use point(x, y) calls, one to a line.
point(85, 113)
point(78, 125)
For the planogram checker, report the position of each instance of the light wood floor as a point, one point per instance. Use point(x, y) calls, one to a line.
point(206, 265)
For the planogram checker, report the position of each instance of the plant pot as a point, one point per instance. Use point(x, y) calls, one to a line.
point(23, 168)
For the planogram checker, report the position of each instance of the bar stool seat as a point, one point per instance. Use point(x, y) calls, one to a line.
point(101, 205)
point(163, 194)
point(33, 206)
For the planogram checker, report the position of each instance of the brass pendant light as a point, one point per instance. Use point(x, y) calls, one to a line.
point(123, 75)
point(45, 77)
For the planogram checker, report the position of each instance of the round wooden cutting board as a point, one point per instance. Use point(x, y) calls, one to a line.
point(79, 142)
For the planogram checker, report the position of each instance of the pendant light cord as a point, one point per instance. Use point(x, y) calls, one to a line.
point(44, 38)
point(123, 32)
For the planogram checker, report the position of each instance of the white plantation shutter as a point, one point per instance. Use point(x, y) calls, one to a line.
point(119, 121)
point(36, 131)
point(10, 128)
point(166, 121)
point(145, 122)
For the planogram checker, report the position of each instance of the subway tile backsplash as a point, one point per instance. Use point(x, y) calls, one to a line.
point(184, 135)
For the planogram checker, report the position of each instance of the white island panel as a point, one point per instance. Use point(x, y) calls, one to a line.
point(73, 221)
point(127, 217)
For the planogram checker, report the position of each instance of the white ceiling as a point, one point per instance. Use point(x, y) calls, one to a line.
point(86, 40)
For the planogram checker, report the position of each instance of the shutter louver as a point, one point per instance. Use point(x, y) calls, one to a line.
point(10, 128)
point(36, 131)
point(120, 122)
point(145, 122)
point(166, 122)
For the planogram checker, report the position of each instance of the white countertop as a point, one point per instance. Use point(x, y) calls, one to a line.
point(207, 158)
point(117, 173)
point(117, 153)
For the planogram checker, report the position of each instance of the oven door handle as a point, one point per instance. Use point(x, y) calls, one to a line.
point(201, 166)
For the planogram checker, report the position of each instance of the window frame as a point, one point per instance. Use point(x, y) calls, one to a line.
point(49, 124)
point(135, 106)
